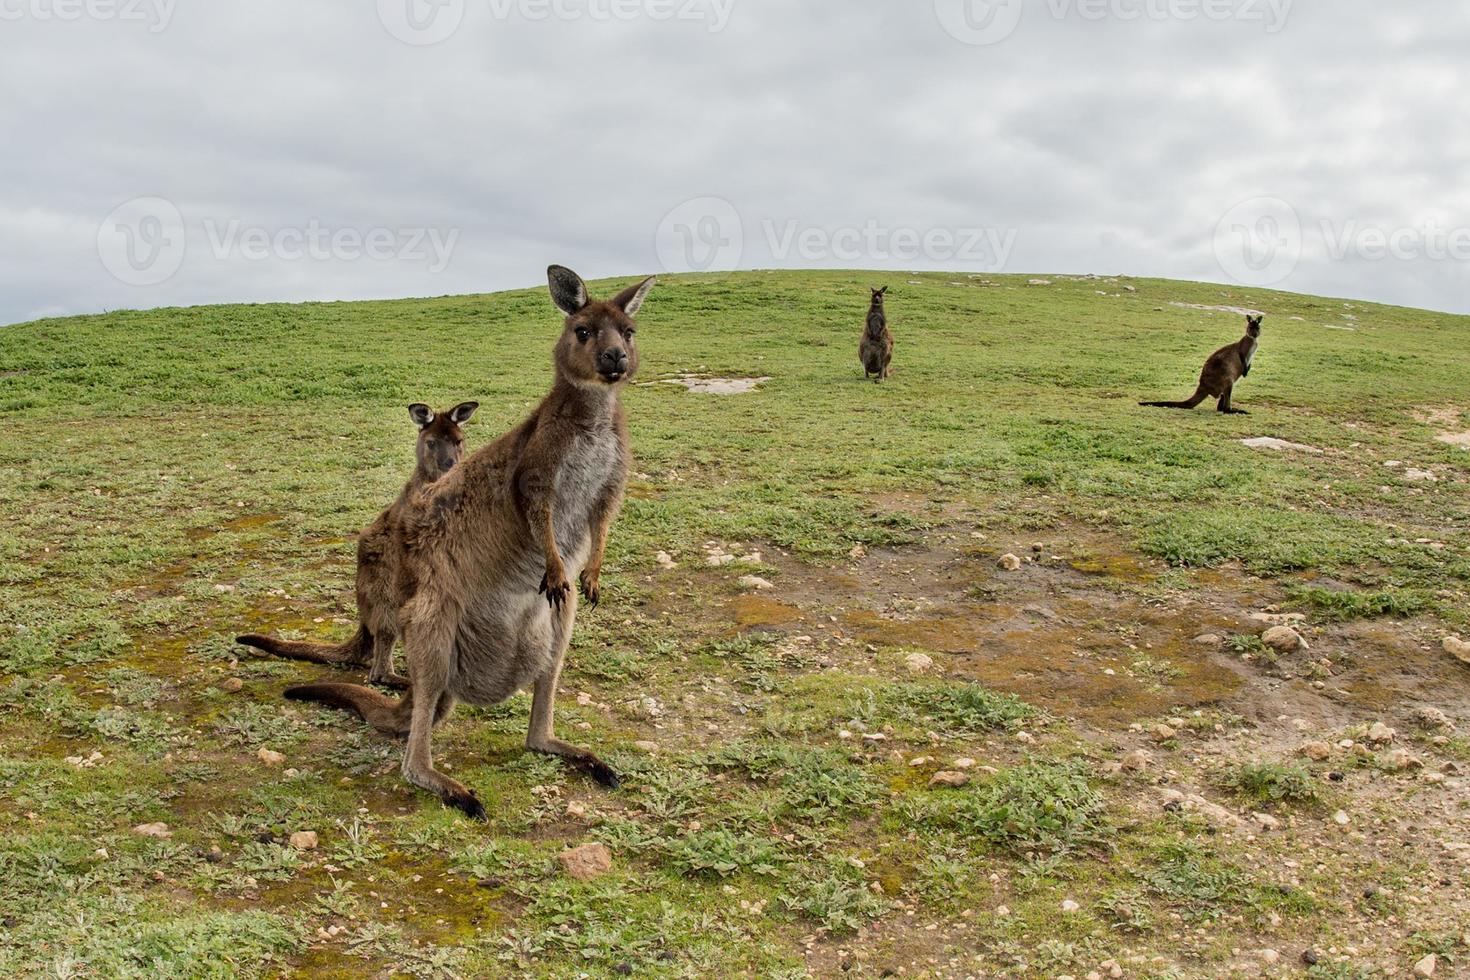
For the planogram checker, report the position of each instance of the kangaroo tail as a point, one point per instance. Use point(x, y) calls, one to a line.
point(1199, 396)
point(377, 709)
point(353, 652)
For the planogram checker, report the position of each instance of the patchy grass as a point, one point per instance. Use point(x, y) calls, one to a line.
point(206, 469)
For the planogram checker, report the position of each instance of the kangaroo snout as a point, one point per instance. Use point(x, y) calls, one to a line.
point(612, 363)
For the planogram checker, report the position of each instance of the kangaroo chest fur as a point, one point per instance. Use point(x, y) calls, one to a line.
point(1250, 352)
point(508, 636)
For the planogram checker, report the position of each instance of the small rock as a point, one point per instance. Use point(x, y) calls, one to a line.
point(1380, 734)
point(1432, 718)
point(232, 685)
point(643, 745)
point(1426, 966)
point(1162, 733)
point(665, 561)
point(756, 582)
point(857, 552)
point(965, 763)
point(1420, 476)
point(576, 809)
point(269, 758)
point(1401, 760)
point(1070, 906)
point(1010, 563)
point(1341, 818)
point(1265, 821)
point(304, 840)
point(945, 779)
point(1457, 648)
point(1137, 761)
point(586, 862)
point(1317, 751)
point(1283, 639)
point(1026, 738)
point(918, 663)
point(1269, 957)
point(158, 830)
point(1209, 640)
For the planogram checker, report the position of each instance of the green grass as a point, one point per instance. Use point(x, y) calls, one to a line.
point(169, 478)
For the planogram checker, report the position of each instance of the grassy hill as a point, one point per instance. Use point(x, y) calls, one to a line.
point(171, 477)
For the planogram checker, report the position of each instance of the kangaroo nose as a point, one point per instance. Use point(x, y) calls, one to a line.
point(613, 361)
point(448, 465)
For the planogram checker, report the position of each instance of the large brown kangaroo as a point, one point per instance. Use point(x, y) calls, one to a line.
point(1223, 369)
point(440, 446)
point(876, 348)
point(487, 554)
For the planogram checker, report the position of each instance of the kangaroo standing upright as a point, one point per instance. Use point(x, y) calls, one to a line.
point(440, 446)
point(1223, 369)
point(876, 349)
point(487, 554)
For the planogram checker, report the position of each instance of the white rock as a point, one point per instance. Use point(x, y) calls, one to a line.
point(1070, 906)
point(1420, 476)
point(1341, 818)
point(1426, 966)
point(1265, 821)
point(1457, 648)
point(1281, 446)
point(1283, 639)
point(1380, 734)
point(918, 663)
point(756, 582)
point(965, 763)
point(665, 561)
point(1010, 563)
point(643, 745)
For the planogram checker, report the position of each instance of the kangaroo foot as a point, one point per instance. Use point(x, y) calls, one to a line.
point(396, 682)
point(590, 764)
point(556, 592)
point(450, 791)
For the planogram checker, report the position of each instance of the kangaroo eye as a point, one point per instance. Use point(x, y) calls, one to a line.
point(629, 332)
point(583, 335)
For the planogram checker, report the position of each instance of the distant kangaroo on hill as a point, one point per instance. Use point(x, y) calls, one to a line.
point(1223, 369)
point(876, 349)
point(440, 446)
point(487, 554)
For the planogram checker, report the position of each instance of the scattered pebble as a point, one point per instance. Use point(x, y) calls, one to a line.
point(756, 582)
point(945, 779)
point(586, 862)
point(1426, 966)
point(232, 685)
point(304, 840)
point(1317, 751)
point(158, 830)
point(1380, 734)
point(1010, 563)
point(270, 758)
point(918, 663)
point(665, 561)
point(1283, 639)
point(1457, 648)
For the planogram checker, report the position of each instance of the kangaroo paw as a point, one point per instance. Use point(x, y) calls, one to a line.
point(603, 773)
point(467, 803)
point(591, 587)
point(557, 592)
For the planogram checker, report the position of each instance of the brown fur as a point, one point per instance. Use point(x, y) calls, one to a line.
point(876, 348)
point(440, 446)
point(1223, 369)
point(488, 553)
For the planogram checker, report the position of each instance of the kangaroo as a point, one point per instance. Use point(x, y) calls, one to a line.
point(1223, 369)
point(487, 554)
point(876, 349)
point(440, 446)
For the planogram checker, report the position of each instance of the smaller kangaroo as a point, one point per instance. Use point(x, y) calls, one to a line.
point(440, 447)
point(1224, 368)
point(876, 349)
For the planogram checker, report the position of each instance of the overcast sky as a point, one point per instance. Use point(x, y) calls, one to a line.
point(164, 152)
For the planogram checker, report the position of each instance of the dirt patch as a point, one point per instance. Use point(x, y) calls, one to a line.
point(1280, 445)
point(700, 385)
point(1460, 439)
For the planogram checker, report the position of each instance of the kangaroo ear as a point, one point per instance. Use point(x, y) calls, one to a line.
point(630, 300)
point(461, 413)
point(568, 291)
point(422, 415)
